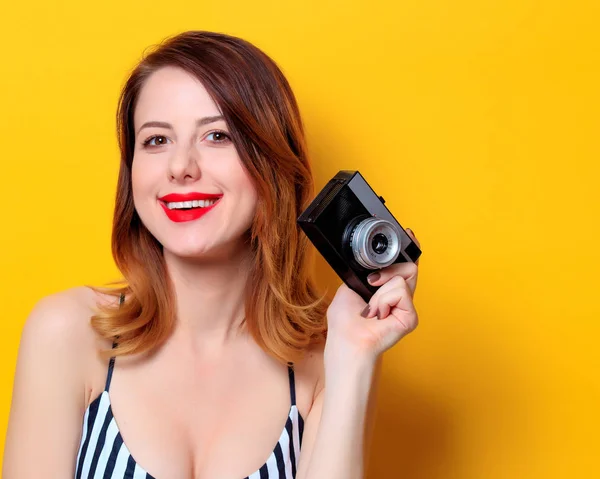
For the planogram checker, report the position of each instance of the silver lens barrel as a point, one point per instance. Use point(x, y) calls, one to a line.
point(375, 243)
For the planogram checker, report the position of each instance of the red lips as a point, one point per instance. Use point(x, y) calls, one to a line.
point(179, 216)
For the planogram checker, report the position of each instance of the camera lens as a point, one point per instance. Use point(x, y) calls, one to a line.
point(379, 243)
point(375, 243)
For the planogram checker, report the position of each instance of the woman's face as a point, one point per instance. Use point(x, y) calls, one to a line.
point(184, 157)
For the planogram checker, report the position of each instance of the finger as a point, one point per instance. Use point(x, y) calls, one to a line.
point(408, 271)
point(396, 283)
point(397, 298)
point(387, 301)
point(411, 233)
point(395, 327)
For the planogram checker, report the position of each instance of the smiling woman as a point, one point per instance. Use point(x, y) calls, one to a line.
point(197, 97)
point(209, 359)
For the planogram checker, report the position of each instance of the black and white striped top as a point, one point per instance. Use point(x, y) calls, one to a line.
point(103, 454)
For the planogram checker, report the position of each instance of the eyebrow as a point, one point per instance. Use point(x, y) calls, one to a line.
point(199, 122)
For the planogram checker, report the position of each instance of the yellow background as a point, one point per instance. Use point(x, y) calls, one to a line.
point(478, 120)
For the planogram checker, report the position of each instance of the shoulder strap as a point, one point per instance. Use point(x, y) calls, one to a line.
point(111, 363)
point(292, 383)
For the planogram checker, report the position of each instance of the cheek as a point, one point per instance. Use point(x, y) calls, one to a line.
point(250, 194)
point(142, 181)
point(137, 185)
point(143, 175)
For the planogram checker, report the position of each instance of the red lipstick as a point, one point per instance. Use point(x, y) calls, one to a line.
point(179, 215)
point(172, 197)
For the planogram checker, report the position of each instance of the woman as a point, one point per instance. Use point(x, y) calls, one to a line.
point(210, 360)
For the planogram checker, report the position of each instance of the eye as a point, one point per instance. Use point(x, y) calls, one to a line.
point(218, 137)
point(148, 142)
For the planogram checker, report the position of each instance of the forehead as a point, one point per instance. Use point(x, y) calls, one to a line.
point(172, 94)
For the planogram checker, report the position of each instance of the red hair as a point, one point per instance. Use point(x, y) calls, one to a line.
point(284, 312)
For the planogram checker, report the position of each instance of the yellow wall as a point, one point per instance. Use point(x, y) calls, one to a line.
point(478, 120)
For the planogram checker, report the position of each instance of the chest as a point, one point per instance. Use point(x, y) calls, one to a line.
point(212, 426)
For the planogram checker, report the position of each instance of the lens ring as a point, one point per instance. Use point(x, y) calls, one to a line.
point(362, 243)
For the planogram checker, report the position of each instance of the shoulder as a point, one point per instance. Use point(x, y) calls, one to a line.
point(58, 330)
point(63, 318)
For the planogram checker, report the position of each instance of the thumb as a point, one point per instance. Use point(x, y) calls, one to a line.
point(349, 298)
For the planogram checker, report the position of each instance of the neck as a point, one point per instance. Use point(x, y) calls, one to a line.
point(210, 297)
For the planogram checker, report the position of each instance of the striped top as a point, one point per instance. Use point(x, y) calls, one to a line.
point(103, 454)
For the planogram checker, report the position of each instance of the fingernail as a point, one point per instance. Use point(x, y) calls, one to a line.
point(373, 277)
point(410, 231)
point(365, 312)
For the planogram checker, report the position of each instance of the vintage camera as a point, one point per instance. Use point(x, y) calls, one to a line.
point(355, 232)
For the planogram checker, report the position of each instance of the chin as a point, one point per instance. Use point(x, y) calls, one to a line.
point(191, 252)
point(203, 252)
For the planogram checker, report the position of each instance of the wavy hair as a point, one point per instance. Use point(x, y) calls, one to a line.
point(284, 312)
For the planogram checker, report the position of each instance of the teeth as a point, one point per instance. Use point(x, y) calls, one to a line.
point(190, 204)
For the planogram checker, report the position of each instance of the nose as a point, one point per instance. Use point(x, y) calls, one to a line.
point(184, 164)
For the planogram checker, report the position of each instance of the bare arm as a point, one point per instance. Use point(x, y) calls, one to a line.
point(340, 422)
point(338, 429)
point(49, 395)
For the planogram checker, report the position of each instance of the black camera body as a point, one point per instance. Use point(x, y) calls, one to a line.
point(355, 232)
